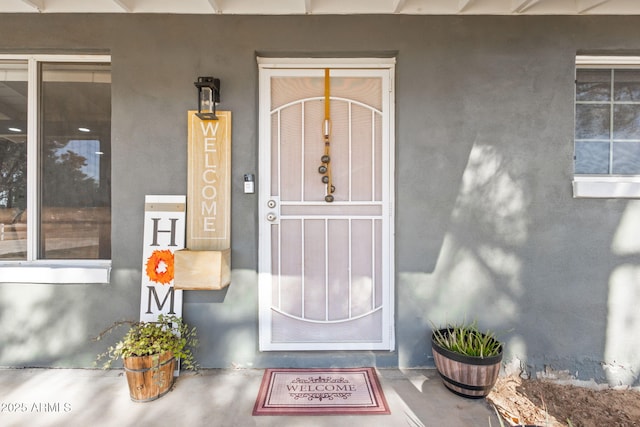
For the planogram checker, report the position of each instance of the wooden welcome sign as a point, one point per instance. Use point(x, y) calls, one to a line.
point(205, 263)
point(209, 183)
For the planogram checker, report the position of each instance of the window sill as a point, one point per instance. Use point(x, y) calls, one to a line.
point(606, 187)
point(56, 272)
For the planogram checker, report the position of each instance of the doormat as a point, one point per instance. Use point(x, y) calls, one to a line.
point(331, 391)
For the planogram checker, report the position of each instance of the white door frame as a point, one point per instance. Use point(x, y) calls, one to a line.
point(388, 165)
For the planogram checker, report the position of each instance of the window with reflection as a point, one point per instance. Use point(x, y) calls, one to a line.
point(13, 160)
point(62, 209)
point(607, 121)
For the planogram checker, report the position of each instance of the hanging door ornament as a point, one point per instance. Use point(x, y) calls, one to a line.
point(325, 167)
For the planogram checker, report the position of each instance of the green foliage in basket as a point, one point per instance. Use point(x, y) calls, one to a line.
point(467, 339)
point(169, 333)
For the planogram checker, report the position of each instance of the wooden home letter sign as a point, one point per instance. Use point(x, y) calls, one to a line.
point(164, 224)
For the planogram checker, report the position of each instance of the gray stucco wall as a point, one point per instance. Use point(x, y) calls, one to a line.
point(486, 226)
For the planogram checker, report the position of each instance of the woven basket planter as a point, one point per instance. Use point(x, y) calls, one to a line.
point(466, 376)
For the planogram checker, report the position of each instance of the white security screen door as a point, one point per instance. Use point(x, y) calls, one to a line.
point(326, 267)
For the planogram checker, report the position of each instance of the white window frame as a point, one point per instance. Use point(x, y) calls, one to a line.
point(33, 270)
point(606, 186)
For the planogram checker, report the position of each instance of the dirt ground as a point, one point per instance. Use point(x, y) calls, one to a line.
point(550, 404)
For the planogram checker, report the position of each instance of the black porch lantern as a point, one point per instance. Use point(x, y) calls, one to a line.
point(208, 97)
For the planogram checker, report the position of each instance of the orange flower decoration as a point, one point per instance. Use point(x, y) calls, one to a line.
point(160, 267)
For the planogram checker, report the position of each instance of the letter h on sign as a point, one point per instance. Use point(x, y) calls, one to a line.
point(172, 231)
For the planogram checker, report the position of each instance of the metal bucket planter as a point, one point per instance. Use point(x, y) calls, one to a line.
point(466, 376)
point(149, 377)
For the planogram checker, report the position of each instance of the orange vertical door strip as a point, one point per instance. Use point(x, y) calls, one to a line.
point(325, 168)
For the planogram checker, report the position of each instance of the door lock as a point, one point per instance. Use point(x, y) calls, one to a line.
point(271, 204)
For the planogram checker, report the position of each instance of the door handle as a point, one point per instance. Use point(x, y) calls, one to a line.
point(271, 217)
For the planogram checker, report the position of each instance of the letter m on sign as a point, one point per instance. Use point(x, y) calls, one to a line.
point(164, 233)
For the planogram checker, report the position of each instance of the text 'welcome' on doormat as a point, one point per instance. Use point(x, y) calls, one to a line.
point(331, 391)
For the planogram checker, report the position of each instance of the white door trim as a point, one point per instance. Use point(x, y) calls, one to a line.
point(358, 63)
point(388, 173)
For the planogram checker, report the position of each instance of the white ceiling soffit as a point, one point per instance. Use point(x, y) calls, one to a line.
point(323, 7)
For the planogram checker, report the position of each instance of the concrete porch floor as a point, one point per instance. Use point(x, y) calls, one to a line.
point(215, 397)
